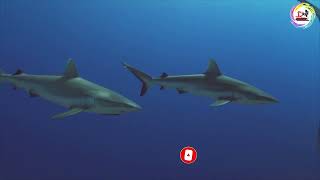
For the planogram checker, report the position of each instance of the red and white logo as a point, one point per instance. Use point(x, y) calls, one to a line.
point(188, 155)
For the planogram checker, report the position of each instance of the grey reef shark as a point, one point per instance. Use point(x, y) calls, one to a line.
point(212, 83)
point(71, 91)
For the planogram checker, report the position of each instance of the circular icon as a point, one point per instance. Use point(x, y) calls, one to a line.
point(188, 155)
point(302, 15)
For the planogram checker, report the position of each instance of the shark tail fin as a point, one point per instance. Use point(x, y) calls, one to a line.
point(143, 77)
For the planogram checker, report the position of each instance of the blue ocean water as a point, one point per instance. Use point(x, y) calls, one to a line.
point(253, 41)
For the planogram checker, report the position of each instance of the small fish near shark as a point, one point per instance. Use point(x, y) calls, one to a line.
point(71, 91)
point(222, 89)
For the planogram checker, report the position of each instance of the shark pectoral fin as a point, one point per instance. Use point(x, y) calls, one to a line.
point(33, 93)
point(220, 103)
point(71, 112)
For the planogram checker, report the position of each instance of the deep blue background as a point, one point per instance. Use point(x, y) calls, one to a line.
point(251, 40)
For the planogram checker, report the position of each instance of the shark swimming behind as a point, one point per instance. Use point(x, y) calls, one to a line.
point(72, 92)
point(222, 89)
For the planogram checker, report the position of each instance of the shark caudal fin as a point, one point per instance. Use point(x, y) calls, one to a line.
point(143, 77)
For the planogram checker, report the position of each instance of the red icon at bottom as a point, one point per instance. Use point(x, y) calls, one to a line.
point(188, 155)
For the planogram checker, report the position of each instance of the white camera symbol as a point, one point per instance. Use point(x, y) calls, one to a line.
point(188, 155)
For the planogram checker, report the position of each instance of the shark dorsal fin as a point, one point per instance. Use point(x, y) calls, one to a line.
point(163, 75)
point(18, 72)
point(71, 70)
point(213, 69)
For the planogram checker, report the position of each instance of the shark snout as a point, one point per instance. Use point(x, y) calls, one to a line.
point(133, 106)
point(268, 99)
point(272, 99)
